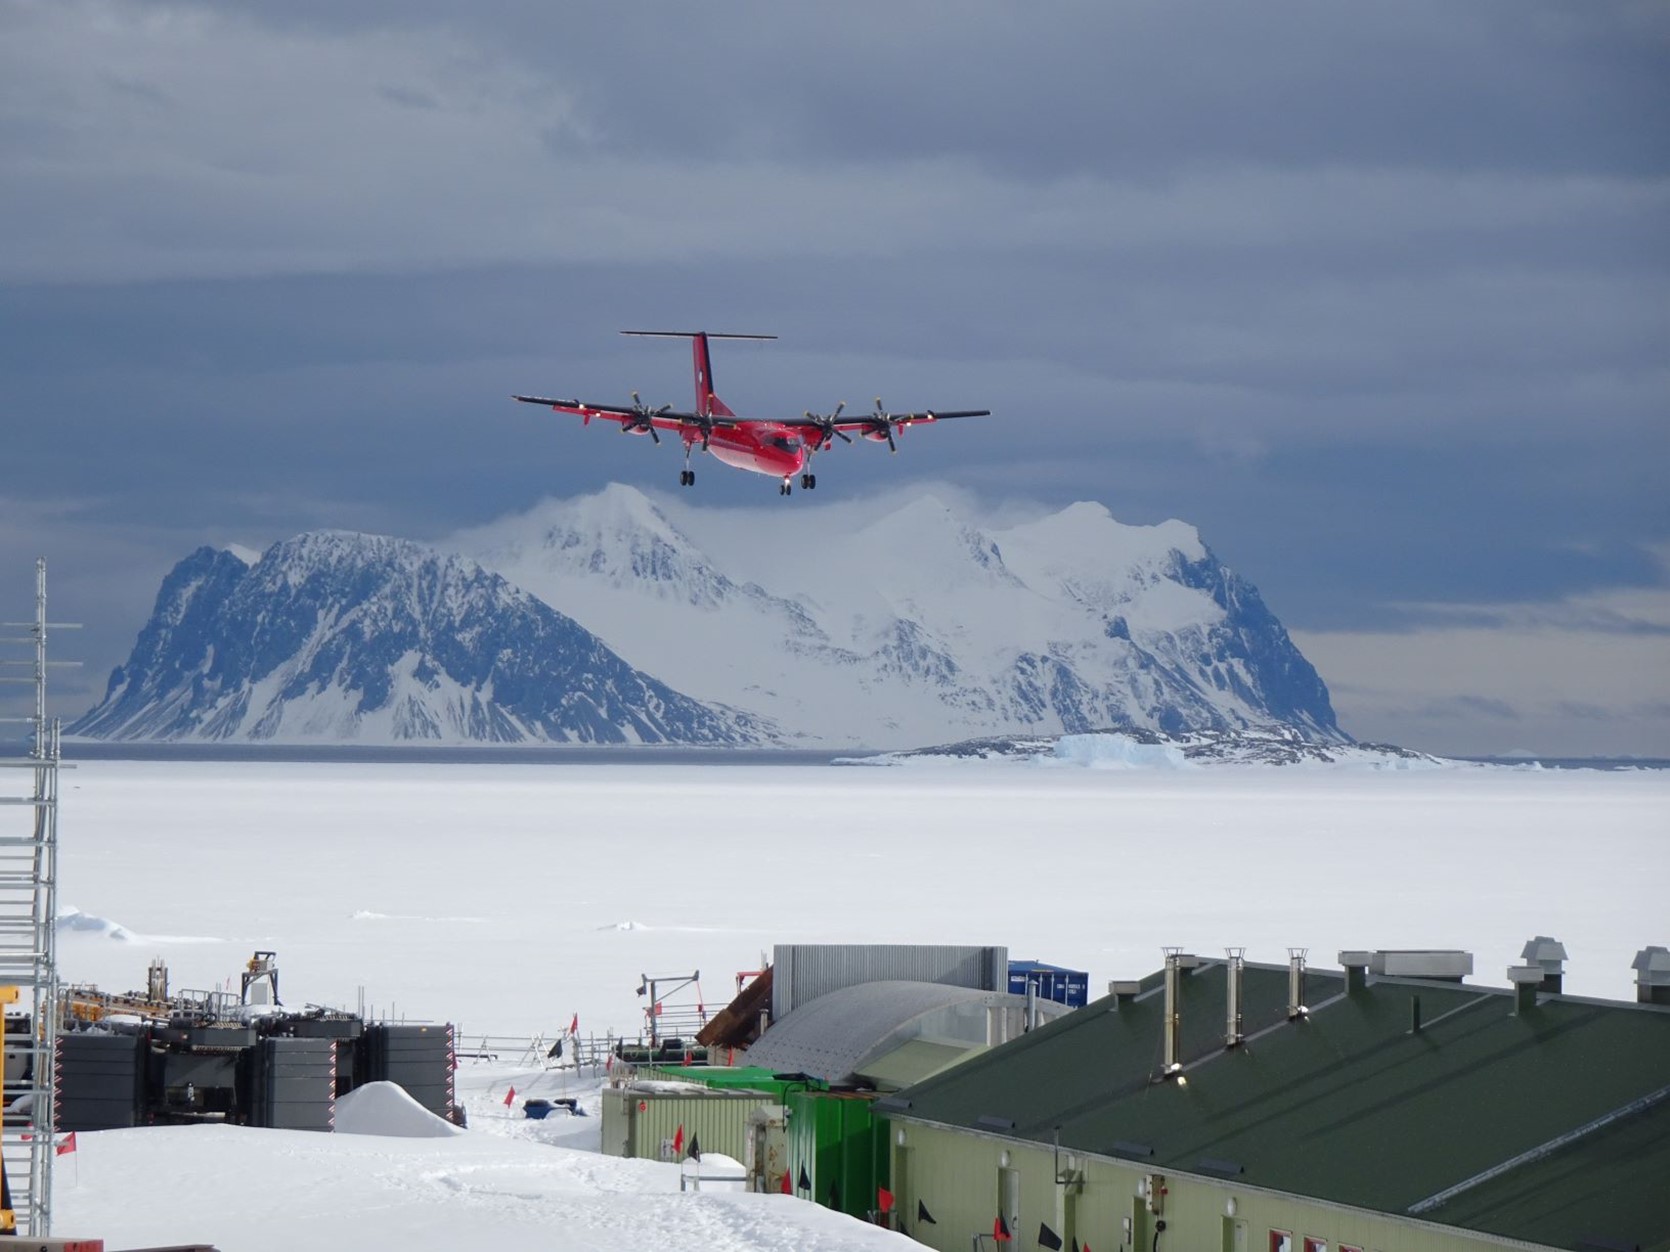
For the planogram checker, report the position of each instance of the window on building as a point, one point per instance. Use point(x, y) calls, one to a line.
point(1281, 1241)
point(1349, 1247)
point(1315, 1245)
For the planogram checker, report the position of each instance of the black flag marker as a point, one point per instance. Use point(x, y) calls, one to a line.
point(805, 1183)
point(1047, 1238)
point(922, 1214)
point(834, 1196)
point(695, 1148)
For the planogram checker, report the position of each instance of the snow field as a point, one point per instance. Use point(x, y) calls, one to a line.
point(507, 898)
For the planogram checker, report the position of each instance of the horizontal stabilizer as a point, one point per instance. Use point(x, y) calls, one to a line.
point(690, 334)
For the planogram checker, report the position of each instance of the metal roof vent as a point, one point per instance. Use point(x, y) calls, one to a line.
point(1356, 963)
point(1123, 992)
point(1652, 975)
point(1432, 964)
point(1527, 980)
point(1550, 956)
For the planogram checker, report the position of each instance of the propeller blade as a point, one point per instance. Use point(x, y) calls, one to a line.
point(654, 435)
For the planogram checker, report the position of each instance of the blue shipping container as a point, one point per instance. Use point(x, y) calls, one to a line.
point(1065, 986)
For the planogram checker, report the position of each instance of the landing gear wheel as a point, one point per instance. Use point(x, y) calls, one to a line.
point(687, 478)
point(784, 490)
point(808, 481)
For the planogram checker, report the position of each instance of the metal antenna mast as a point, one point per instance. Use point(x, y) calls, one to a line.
point(28, 935)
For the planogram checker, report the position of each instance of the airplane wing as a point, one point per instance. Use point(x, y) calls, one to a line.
point(879, 425)
point(639, 418)
point(933, 415)
point(880, 420)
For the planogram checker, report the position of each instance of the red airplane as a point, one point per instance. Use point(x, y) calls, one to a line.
point(780, 447)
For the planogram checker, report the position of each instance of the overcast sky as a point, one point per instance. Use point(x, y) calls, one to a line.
point(1374, 295)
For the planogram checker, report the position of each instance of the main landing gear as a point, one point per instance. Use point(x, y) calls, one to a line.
point(808, 481)
point(687, 478)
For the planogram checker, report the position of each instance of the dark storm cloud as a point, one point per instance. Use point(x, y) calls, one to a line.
point(1074, 87)
point(1469, 708)
point(1374, 295)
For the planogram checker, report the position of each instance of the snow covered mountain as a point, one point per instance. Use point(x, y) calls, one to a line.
point(336, 636)
point(917, 624)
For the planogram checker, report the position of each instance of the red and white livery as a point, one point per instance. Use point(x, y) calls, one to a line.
point(779, 447)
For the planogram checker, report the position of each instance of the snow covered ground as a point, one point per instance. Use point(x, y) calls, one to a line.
point(508, 898)
point(505, 1183)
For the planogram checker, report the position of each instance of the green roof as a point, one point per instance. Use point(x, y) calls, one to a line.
point(731, 1078)
point(1350, 1105)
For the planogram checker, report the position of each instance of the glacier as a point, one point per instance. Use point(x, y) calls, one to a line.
point(914, 624)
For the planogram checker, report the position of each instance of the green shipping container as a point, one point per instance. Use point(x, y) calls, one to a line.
point(839, 1145)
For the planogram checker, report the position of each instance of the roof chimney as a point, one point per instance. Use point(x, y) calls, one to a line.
point(1232, 982)
point(1527, 980)
point(1652, 975)
point(1296, 983)
point(1549, 955)
point(1174, 1017)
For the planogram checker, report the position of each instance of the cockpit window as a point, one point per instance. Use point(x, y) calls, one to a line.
point(788, 443)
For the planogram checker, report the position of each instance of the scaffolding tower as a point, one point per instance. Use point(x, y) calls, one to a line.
point(28, 955)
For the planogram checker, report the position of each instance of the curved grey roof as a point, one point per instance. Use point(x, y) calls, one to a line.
point(833, 1036)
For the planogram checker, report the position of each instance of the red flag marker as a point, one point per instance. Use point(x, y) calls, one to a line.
point(1000, 1229)
point(678, 1140)
point(884, 1199)
point(68, 1144)
point(509, 1096)
point(574, 1026)
point(787, 1188)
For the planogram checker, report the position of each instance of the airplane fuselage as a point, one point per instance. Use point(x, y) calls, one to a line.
point(760, 448)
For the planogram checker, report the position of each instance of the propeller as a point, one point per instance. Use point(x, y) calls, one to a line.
point(881, 426)
point(827, 425)
point(701, 422)
point(643, 418)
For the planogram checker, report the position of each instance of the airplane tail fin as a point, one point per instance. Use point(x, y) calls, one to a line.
point(707, 403)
